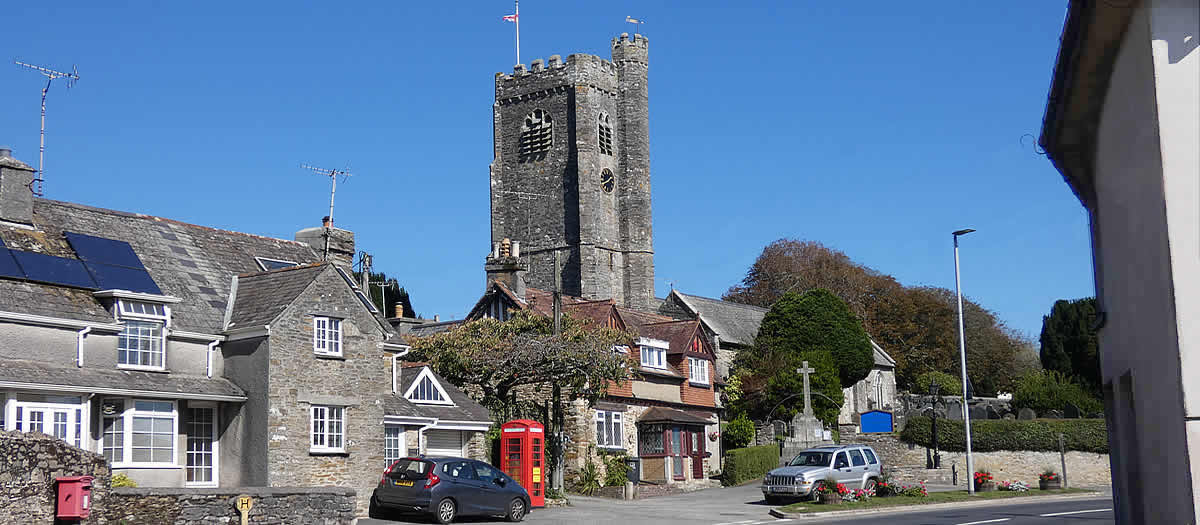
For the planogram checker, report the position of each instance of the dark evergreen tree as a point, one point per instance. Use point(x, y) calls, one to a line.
point(1069, 345)
point(386, 292)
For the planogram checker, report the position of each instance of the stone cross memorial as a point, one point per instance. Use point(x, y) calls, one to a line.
point(804, 370)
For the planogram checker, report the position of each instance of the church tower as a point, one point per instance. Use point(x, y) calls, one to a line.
point(571, 172)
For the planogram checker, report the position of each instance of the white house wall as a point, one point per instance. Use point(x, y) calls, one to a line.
point(1131, 239)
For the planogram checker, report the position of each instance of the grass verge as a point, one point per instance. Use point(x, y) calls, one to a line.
point(934, 497)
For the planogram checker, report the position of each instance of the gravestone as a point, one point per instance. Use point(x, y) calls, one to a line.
point(1054, 414)
point(992, 413)
point(1026, 414)
point(978, 412)
point(780, 428)
point(1071, 411)
point(954, 410)
point(1008, 416)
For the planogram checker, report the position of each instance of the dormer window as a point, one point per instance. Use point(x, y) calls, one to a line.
point(141, 343)
point(654, 353)
point(327, 336)
point(426, 390)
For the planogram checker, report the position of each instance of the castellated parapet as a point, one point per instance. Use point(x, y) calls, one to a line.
point(571, 171)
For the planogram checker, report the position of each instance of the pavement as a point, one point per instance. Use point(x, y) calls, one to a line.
point(744, 505)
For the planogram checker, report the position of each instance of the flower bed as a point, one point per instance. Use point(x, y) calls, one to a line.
point(1013, 486)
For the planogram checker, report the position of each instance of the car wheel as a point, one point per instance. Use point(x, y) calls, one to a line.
point(869, 485)
point(516, 510)
point(375, 511)
point(446, 510)
point(774, 500)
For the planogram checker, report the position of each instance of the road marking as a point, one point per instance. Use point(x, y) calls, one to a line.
point(1073, 512)
point(985, 521)
point(735, 522)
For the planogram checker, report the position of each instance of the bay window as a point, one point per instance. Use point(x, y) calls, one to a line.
point(139, 432)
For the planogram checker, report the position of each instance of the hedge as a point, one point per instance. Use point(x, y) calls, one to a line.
point(1084, 435)
point(745, 464)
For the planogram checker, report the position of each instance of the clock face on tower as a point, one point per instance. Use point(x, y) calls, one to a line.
point(607, 181)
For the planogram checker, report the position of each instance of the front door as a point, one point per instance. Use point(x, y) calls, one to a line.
point(697, 454)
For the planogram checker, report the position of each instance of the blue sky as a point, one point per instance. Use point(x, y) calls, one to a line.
point(876, 128)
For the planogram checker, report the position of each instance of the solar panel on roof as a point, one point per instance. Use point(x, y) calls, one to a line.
point(105, 251)
point(53, 270)
point(111, 277)
point(8, 265)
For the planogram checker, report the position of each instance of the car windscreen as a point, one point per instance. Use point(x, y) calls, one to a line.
point(811, 459)
point(408, 468)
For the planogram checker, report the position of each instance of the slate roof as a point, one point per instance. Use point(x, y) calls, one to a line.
point(678, 333)
point(191, 262)
point(464, 409)
point(735, 323)
point(428, 329)
point(39, 373)
point(261, 297)
point(882, 358)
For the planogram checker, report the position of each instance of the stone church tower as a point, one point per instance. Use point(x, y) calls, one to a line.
point(572, 172)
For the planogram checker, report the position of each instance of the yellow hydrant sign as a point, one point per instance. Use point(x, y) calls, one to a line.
point(243, 506)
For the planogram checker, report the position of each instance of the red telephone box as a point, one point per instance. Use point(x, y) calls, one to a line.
point(522, 449)
point(74, 497)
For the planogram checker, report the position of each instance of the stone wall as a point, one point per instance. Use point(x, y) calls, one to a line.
point(153, 506)
point(1084, 469)
point(29, 464)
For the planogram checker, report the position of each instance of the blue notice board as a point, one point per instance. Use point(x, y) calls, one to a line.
point(876, 421)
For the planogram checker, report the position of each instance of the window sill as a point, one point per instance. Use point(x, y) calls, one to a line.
point(146, 466)
point(700, 385)
point(136, 368)
point(326, 452)
point(330, 357)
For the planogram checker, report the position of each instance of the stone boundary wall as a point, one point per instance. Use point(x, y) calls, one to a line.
point(195, 506)
point(29, 463)
point(1084, 469)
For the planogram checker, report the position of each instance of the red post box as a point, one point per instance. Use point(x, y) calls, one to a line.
point(74, 497)
point(523, 444)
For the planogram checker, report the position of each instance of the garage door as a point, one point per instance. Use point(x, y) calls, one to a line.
point(443, 443)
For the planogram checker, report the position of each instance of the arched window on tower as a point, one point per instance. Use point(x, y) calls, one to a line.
point(605, 134)
point(537, 135)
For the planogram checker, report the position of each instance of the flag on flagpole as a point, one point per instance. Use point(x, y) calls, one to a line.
point(510, 18)
point(632, 20)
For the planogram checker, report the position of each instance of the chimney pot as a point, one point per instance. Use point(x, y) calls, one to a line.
point(437, 318)
point(325, 222)
point(516, 248)
point(399, 310)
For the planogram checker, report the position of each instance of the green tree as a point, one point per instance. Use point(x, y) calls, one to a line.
point(491, 359)
point(917, 326)
point(386, 293)
point(948, 385)
point(816, 327)
point(1068, 343)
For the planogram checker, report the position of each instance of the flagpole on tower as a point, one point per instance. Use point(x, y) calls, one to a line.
point(517, 12)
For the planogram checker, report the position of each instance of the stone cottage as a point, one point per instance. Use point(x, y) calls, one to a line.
point(196, 357)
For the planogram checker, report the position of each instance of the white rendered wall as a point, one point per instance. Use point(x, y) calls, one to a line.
point(1174, 38)
point(1134, 256)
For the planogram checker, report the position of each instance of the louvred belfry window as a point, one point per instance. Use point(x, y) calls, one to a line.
point(537, 135)
point(605, 134)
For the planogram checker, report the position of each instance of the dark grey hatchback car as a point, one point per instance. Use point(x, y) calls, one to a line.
point(447, 488)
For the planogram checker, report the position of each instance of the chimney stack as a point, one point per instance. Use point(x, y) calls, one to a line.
point(16, 194)
point(504, 265)
point(334, 245)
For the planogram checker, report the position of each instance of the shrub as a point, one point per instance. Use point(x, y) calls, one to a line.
point(587, 482)
point(616, 471)
point(948, 385)
point(738, 433)
point(1050, 390)
point(1084, 435)
point(745, 464)
point(121, 480)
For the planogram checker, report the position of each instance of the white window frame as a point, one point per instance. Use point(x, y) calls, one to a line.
point(124, 312)
point(77, 429)
point(653, 353)
point(399, 440)
point(327, 325)
point(426, 373)
point(698, 370)
point(262, 263)
point(127, 416)
point(613, 424)
point(325, 433)
point(216, 441)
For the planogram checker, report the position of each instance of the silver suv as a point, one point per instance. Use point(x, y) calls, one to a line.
point(856, 466)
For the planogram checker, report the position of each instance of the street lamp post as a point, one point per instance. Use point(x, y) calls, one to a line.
point(962, 351)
